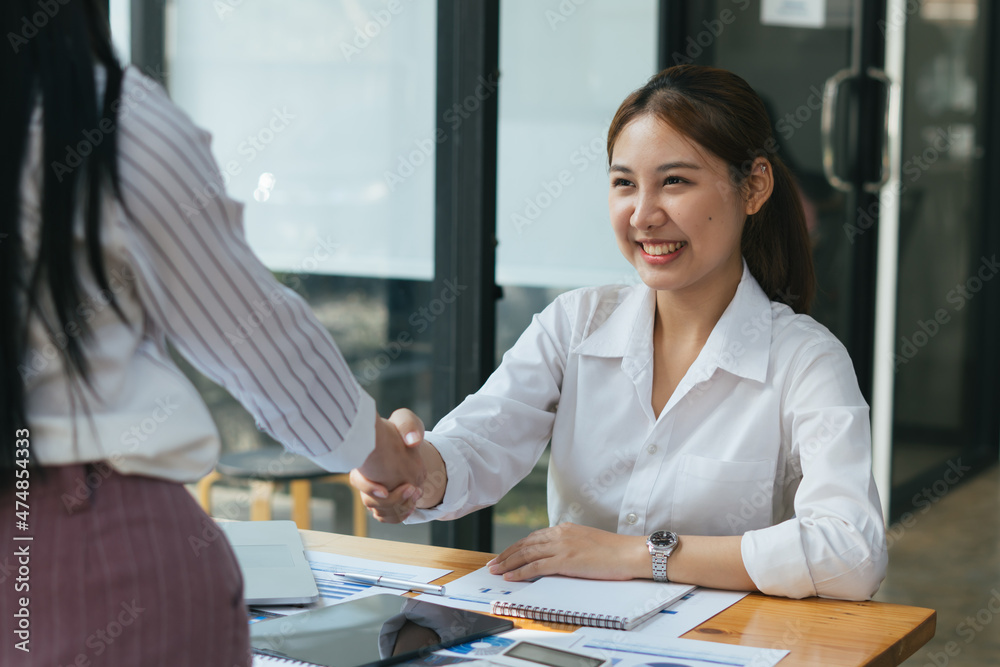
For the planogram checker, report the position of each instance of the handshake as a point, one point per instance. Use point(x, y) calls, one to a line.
point(403, 473)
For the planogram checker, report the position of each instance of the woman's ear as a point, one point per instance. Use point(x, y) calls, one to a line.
point(759, 185)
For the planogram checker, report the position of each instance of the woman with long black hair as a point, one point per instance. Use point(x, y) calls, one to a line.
point(109, 247)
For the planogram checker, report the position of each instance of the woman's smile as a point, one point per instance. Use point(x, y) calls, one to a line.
point(661, 252)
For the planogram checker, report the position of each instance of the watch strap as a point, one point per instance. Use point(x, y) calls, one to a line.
point(659, 566)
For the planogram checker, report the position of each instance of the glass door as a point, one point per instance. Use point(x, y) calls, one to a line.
point(878, 110)
point(945, 267)
point(813, 64)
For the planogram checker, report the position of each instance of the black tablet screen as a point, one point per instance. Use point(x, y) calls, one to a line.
point(380, 629)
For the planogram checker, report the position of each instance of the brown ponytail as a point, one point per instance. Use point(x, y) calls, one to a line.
point(721, 112)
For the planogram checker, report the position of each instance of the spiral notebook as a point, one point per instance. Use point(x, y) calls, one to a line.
point(618, 605)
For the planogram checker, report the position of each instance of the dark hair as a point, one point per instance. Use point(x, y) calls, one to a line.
point(722, 113)
point(48, 60)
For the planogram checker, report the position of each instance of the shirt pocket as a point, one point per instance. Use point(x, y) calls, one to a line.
point(717, 497)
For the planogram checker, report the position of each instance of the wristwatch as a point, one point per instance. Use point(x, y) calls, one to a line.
point(661, 544)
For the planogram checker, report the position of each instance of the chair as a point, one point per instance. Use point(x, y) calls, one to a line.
point(268, 466)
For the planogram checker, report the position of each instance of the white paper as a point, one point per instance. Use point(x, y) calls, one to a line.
point(333, 590)
point(689, 612)
point(637, 650)
point(475, 591)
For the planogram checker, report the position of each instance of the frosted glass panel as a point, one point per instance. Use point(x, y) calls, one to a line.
point(322, 115)
point(565, 68)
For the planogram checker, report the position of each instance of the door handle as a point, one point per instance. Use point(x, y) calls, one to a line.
point(830, 92)
point(891, 100)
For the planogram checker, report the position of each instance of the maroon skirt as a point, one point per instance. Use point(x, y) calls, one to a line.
point(120, 570)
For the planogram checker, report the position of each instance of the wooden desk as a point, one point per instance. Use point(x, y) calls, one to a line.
point(819, 633)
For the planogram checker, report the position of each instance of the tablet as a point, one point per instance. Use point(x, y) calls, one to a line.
point(375, 630)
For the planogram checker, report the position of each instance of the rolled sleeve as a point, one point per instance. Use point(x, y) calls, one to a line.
point(834, 546)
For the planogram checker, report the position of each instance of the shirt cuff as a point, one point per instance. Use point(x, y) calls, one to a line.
point(456, 495)
point(775, 561)
point(358, 443)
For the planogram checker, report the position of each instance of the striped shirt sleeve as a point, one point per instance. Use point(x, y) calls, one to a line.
point(217, 303)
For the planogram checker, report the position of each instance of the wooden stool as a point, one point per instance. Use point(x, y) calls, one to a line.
point(268, 466)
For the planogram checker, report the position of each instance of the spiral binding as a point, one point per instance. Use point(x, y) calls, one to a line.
point(547, 615)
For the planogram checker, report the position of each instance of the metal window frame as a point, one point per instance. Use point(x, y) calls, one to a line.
point(468, 61)
point(149, 37)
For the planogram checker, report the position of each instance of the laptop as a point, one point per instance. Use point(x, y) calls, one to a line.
point(273, 561)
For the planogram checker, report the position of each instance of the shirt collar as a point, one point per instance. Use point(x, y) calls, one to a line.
point(740, 343)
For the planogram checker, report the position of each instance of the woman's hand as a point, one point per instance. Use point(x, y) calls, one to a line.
point(396, 505)
point(575, 551)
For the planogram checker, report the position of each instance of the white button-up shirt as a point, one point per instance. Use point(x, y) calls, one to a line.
point(766, 436)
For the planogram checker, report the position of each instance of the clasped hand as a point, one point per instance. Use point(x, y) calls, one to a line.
point(393, 477)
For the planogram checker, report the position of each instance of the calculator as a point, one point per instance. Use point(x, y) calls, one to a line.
point(532, 654)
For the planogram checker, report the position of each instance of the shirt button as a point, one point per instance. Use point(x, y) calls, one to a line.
point(651, 449)
point(631, 518)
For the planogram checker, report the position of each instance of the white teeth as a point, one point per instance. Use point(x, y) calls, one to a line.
point(662, 248)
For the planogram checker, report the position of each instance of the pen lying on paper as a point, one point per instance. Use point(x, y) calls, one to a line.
point(391, 583)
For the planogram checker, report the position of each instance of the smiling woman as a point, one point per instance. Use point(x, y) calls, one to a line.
point(715, 416)
point(718, 132)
